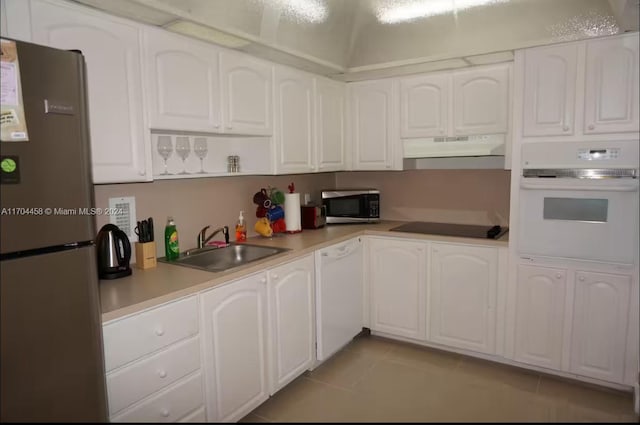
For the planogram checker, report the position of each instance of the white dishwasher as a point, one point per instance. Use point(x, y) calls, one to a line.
point(339, 281)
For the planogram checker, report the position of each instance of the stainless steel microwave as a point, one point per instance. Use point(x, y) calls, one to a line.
point(352, 205)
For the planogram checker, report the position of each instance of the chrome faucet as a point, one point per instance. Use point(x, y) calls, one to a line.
point(203, 238)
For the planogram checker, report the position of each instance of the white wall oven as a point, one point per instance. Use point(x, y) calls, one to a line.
point(580, 201)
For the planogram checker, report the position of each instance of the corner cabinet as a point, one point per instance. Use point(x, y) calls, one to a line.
point(246, 94)
point(120, 146)
point(463, 296)
point(183, 82)
point(234, 335)
point(373, 125)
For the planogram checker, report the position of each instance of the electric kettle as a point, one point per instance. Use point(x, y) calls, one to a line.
point(114, 252)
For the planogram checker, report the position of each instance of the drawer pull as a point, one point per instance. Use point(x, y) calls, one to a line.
point(162, 373)
point(160, 331)
point(165, 413)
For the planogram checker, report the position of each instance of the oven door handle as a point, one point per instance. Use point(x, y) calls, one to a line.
point(630, 185)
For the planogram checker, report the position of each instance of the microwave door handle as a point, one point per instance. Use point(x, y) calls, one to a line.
point(620, 187)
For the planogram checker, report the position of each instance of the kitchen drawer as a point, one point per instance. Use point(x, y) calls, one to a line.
point(197, 417)
point(169, 405)
point(134, 382)
point(133, 337)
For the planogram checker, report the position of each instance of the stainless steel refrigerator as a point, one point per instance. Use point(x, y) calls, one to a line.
point(51, 343)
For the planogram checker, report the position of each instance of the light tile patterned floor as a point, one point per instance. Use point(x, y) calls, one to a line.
point(380, 380)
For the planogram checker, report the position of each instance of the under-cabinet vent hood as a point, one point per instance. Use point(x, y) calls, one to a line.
point(462, 146)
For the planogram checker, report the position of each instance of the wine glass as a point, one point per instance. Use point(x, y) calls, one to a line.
point(165, 148)
point(200, 148)
point(182, 149)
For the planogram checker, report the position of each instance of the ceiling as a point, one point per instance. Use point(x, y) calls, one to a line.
point(360, 39)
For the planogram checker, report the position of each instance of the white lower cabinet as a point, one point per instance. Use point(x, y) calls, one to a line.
point(462, 296)
point(234, 328)
point(398, 287)
point(291, 321)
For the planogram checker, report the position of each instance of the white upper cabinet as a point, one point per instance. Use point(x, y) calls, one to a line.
point(373, 124)
point(294, 116)
point(182, 85)
point(600, 322)
point(246, 94)
point(611, 84)
point(481, 100)
point(550, 90)
point(463, 296)
point(120, 147)
point(330, 108)
point(424, 105)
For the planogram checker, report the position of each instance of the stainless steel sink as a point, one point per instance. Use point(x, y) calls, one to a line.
point(221, 259)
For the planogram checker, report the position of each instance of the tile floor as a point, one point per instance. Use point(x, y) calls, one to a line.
point(380, 380)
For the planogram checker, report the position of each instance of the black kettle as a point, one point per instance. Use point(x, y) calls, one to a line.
point(114, 252)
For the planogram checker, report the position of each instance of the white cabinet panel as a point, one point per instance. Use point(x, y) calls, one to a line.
point(291, 320)
point(246, 94)
point(182, 81)
point(611, 97)
point(234, 346)
point(120, 149)
point(600, 322)
point(480, 103)
point(330, 108)
point(294, 132)
point(550, 90)
point(373, 122)
point(463, 296)
point(540, 303)
point(397, 282)
point(15, 19)
point(424, 105)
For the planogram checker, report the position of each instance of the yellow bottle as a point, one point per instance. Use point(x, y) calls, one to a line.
point(241, 228)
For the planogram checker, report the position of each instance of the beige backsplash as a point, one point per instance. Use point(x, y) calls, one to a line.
point(461, 196)
point(455, 196)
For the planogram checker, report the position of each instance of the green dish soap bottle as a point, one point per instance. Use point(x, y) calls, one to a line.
point(171, 248)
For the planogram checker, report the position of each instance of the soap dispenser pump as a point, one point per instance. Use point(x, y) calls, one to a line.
point(241, 228)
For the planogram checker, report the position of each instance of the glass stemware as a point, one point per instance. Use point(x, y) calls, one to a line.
point(200, 148)
point(165, 148)
point(182, 149)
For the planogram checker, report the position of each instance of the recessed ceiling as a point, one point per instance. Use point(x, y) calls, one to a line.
point(356, 39)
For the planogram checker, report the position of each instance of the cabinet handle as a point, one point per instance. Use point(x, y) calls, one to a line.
point(216, 126)
point(162, 373)
point(160, 331)
point(565, 128)
point(581, 278)
point(142, 173)
point(275, 276)
point(558, 275)
point(165, 412)
point(591, 127)
point(230, 127)
point(263, 280)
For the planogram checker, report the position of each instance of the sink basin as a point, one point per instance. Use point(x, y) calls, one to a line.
point(221, 259)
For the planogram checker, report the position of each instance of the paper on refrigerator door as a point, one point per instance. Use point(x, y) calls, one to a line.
point(13, 124)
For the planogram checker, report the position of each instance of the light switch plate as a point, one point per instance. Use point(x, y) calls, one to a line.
point(123, 215)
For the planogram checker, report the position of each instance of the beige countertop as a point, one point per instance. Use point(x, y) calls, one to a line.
point(166, 282)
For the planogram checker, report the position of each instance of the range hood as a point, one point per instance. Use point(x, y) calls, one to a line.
point(461, 146)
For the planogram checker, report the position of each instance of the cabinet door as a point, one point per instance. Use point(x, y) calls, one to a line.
point(540, 315)
point(372, 124)
point(550, 90)
point(481, 100)
point(611, 97)
point(291, 321)
point(330, 125)
point(397, 283)
point(294, 132)
point(246, 94)
point(234, 347)
point(15, 19)
point(463, 296)
point(600, 321)
point(182, 83)
point(120, 149)
point(424, 103)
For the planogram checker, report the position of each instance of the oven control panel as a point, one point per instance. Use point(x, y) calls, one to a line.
point(598, 154)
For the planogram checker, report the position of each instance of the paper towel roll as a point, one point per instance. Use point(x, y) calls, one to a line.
point(292, 212)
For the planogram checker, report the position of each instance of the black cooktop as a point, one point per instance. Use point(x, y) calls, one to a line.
point(450, 229)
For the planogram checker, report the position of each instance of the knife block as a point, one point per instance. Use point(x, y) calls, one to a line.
point(146, 255)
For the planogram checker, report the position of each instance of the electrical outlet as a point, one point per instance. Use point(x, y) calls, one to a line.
point(307, 199)
point(123, 215)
